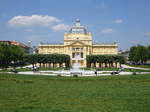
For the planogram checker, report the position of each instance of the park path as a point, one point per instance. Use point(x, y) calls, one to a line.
point(126, 66)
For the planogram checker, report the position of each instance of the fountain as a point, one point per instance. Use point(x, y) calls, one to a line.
point(76, 66)
point(75, 71)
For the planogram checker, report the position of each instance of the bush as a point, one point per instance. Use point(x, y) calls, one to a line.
point(134, 73)
point(75, 75)
point(59, 75)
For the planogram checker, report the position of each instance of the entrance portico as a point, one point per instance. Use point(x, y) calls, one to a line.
point(78, 53)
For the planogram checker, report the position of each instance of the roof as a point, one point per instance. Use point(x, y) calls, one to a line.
point(42, 43)
point(105, 44)
point(77, 28)
point(14, 43)
point(51, 44)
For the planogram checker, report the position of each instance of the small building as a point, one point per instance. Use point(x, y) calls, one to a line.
point(125, 54)
point(78, 44)
point(26, 48)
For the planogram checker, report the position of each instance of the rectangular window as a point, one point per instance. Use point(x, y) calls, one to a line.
point(73, 55)
point(82, 55)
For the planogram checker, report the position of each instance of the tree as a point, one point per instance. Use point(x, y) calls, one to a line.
point(17, 54)
point(108, 60)
point(133, 54)
point(138, 54)
point(148, 51)
point(48, 59)
point(31, 59)
point(10, 55)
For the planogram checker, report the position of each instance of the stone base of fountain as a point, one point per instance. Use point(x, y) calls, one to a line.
point(76, 73)
point(73, 72)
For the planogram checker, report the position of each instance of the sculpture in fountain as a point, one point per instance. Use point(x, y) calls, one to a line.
point(76, 67)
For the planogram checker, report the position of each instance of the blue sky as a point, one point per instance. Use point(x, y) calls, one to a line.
point(126, 22)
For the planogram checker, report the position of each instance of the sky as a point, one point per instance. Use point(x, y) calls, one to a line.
point(126, 22)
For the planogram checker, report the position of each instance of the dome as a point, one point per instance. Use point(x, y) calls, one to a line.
point(77, 28)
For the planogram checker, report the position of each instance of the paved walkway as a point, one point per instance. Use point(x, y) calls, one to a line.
point(86, 73)
point(83, 75)
point(126, 66)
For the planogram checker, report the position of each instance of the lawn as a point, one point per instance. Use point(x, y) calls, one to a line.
point(102, 69)
point(20, 93)
point(135, 70)
point(30, 69)
point(141, 66)
point(116, 69)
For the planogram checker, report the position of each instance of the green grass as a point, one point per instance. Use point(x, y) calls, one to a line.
point(55, 69)
point(141, 66)
point(24, 69)
point(18, 69)
point(109, 69)
point(102, 69)
point(5, 70)
point(20, 93)
point(30, 69)
point(116, 69)
point(135, 70)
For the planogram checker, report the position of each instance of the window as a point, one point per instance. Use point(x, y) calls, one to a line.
point(77, 49)
point(82, 55)
point(73, 49)
point(73, 55)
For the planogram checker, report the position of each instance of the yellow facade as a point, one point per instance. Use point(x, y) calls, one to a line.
point(78, 44)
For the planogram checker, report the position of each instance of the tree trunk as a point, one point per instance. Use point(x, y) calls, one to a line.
point(116, 64)
point(60, 65)
point(105, 65)
point(100, 65)
point(53, 65)
point(32, 65)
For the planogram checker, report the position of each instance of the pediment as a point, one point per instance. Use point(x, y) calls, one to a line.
point(78, 43)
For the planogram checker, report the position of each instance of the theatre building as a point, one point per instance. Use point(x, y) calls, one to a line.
point(78, 44)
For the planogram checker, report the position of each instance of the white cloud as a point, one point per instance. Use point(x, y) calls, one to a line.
point(147, 33)
point(119, 21)
point(107, 30)
point(60, 27)
point(33, 20)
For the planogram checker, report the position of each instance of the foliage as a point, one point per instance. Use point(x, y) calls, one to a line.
point(140, 66)
point(10, 55)
point(107, 59)
point(22, 93)
point(139, 54)
point(48, 59)
point(148, 50)
point(135, 70)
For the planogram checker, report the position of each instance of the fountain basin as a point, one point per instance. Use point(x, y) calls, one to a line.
point(73, 72)
point(76, 73)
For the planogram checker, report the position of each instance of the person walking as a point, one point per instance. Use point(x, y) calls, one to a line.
point(96, 72)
